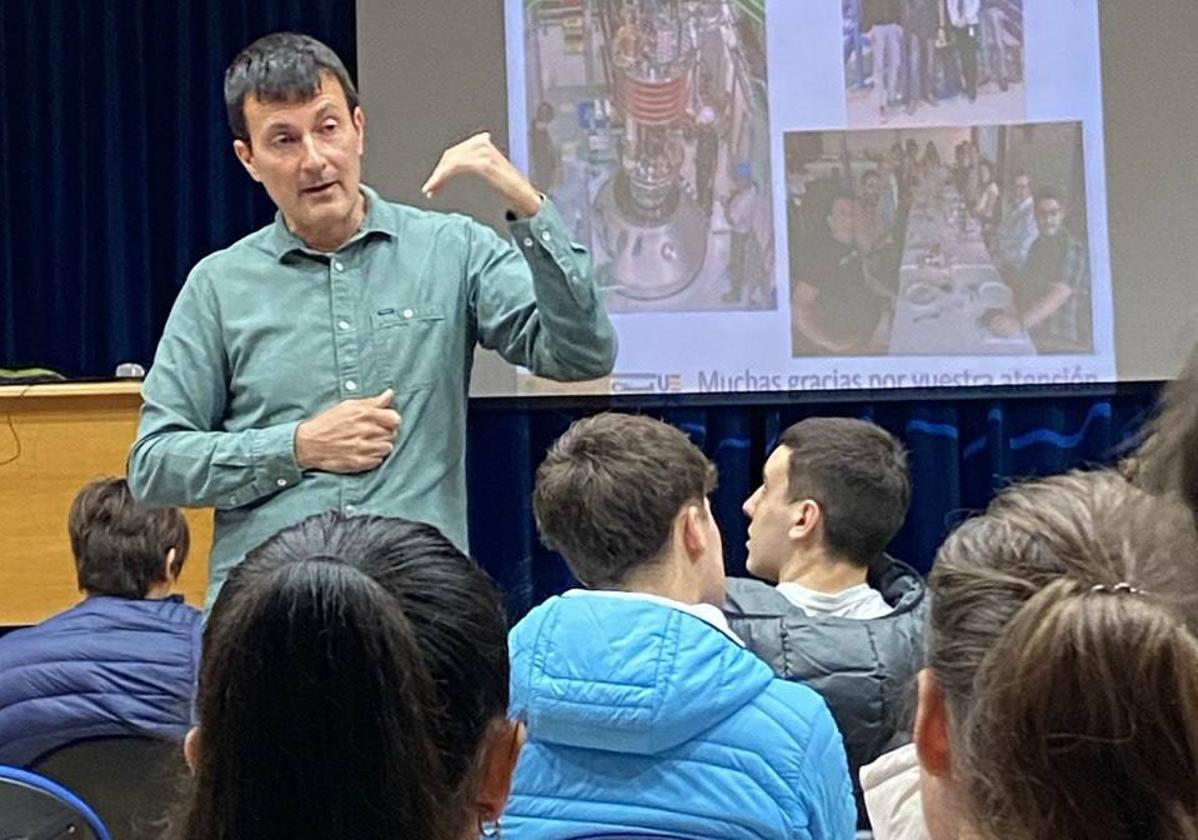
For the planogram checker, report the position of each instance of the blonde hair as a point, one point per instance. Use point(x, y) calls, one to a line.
point(1060, 633)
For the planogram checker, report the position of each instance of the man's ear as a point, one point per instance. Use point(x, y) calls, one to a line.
point(805, 516)
point(931, 726)
point(245, 154)
point(171, 556)
point(191, 748)
point(692, 521)
point(504, 742)
point(360, 125)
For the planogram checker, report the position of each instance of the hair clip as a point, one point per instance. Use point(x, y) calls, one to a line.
point(1120, 588)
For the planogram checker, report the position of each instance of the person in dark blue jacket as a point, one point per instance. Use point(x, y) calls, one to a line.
point(122, 662)
point(644, 712)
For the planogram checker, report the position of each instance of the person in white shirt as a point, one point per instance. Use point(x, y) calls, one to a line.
point(833, 494)
point(837, 613)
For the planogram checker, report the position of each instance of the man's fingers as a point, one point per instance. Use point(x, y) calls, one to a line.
point(384, 399)
point(387, 419)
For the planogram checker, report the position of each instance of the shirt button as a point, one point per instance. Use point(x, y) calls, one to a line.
point(408, 313)
point(232, 500)
point(350, 385)
point(528, 242)
point(343, 325)
point(282, 482)
point(338, 265)
point(546, 236)
point(350, 509)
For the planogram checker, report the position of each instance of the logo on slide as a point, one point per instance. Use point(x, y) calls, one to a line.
point(646, 383)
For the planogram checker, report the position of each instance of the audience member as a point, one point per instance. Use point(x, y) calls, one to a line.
point(354, 685)
point(1053, 283)
point(1062, 671)
point(644, 710)
point(1168, 462)
point(844, 617)
point(122, 662)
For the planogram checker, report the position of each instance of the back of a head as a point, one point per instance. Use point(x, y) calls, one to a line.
point(1058, 634)
point(120, 546)
point(857, 472)
point(1168, 461)
point(608, 490)
point(351, 670)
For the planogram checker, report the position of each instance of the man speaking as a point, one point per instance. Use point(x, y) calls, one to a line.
point(324, 360)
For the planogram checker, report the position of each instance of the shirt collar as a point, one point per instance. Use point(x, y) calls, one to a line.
point(707, 613)
point(379, 221)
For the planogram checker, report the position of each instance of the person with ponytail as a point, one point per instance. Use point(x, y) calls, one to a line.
point(1060, 697)
point(1167, 463)
point(354, 684)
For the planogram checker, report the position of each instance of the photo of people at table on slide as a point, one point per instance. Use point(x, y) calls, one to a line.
point(961, 241)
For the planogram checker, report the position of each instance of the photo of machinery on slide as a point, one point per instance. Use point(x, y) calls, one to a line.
point(648, 126)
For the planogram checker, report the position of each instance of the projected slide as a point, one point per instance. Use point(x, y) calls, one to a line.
point(828, 194)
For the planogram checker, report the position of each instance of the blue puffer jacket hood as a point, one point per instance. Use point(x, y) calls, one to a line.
point(625, 695)
point(644, 716)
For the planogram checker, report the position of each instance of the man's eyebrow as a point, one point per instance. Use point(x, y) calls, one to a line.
point(276, 125)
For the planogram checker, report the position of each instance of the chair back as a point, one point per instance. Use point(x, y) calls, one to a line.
point(33, 807)
point(133, 783)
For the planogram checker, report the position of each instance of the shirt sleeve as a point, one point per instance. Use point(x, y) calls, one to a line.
point(536, 303)
point(181, 455)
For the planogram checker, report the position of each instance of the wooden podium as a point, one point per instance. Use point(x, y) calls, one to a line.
point(53, 440)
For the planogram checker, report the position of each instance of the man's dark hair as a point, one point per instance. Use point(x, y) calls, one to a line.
point(120, 547)
point(857, 473)
point(281, 67)
point(607, 493)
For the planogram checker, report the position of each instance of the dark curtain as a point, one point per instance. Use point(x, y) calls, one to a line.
point(961, 451)
point(117, 170)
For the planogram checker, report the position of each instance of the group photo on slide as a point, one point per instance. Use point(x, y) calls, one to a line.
point(597, 420)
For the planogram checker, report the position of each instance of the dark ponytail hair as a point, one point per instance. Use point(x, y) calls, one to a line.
point(352, 667)
point(1058, 633)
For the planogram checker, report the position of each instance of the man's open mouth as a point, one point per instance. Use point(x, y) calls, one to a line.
point(319, 188)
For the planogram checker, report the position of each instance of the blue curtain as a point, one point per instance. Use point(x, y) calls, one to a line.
point(116, 165)
point(961, 451)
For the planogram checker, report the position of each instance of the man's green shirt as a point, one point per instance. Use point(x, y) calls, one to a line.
point(268, 333)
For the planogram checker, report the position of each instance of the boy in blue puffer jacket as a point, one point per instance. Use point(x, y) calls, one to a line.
point(644, 712)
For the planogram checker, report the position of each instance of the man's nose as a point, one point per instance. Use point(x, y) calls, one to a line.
point(313, 157)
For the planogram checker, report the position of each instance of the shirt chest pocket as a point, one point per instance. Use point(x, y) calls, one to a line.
point(401, 335)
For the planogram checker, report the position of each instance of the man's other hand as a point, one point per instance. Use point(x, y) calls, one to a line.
point(351, 437)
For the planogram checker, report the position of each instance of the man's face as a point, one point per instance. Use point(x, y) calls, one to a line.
point(1022, 189)
point(770, 517)
point(308, 156)
point(1050, 216)
point(840, 220)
